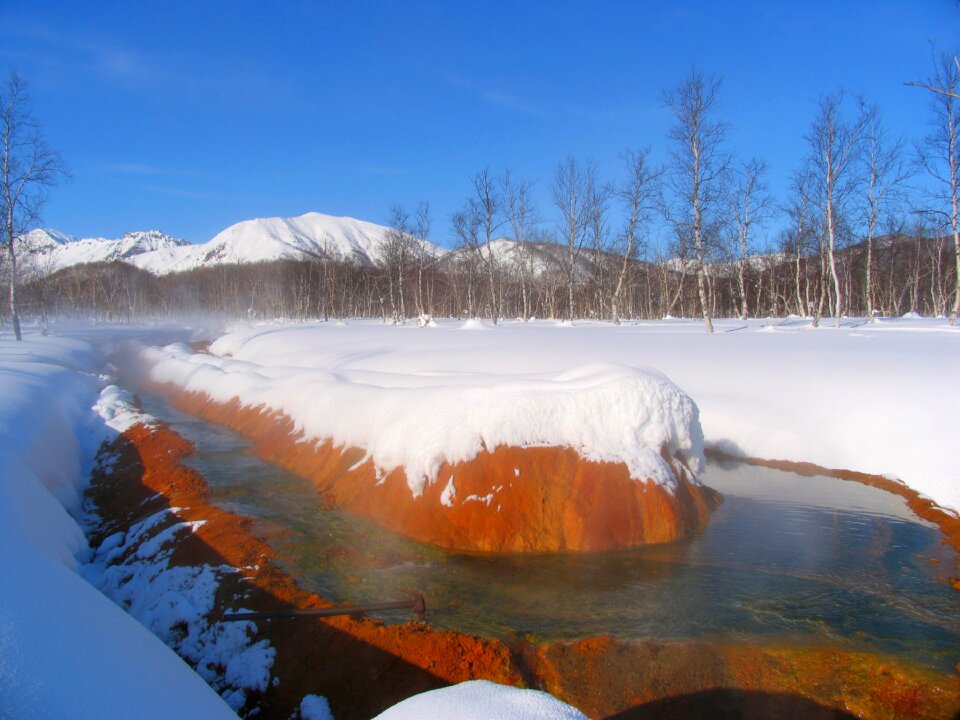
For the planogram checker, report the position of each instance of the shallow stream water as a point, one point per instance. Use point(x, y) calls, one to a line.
point(785, 558)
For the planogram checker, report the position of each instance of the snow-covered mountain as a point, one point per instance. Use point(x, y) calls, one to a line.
point(536, 258)
point(313, 235)
point(50, 250)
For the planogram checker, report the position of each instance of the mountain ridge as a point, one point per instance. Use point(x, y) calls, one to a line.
point(311, 235)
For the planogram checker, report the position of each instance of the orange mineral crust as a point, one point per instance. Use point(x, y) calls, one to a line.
point(361, 665)
point(509, 499)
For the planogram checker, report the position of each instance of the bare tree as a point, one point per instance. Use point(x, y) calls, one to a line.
point(573, 190)
point(885, 174)
point(700, 161)
point(599, 233)
point(801, 237)
point(835, 149)
point(28, 168)
point(424, 252)
point(639, 194)
point(396, 253)
point(523, 217)
point(940, 151)
point(750, 205)
point(476, 226)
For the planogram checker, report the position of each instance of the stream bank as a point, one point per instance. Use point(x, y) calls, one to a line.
point(363, 665)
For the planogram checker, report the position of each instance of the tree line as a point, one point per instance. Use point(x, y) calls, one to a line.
point(858, 239)
point(912, 272)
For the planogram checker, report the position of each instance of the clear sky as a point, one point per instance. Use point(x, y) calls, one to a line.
point(190, 116)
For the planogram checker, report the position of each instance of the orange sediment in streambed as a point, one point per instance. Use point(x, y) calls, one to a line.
point(509, 499)
point(682, 680)
point(363, 666)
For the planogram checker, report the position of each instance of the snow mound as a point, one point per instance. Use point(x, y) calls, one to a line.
point(481, 700)
point(420, 420)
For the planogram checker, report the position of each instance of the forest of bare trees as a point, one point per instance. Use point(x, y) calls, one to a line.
point(912, 270)
point(869, 226)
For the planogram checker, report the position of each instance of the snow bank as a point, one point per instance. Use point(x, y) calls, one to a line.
point(418, 421)
point(65, 649)
point(876, 397)
point(481, 700)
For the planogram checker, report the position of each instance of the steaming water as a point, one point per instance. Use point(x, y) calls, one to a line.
point(785, 558)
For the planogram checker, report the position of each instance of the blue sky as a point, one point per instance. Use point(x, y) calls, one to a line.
point(188, 117)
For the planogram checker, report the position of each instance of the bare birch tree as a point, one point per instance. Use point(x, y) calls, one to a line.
point(573, 188)
point(750, 205)
point(28, 168)
point(476, 226)
point(424, 252)
point(396, 252)
point(801, 237)
point(885, 174)
point(640, 195)
point(940, 152)
point(835, 150)
point(700, 161)
point(522, 216)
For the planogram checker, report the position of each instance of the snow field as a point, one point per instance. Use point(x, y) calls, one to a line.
point(877, 397)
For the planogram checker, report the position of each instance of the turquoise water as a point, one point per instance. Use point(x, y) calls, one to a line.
point(787, 558)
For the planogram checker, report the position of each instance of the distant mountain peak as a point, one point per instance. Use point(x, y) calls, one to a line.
point(311, 235)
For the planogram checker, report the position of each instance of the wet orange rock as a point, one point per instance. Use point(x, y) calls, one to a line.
point(509, 499)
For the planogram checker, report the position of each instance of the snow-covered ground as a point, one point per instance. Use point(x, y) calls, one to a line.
point(878, 398)
point(65, 649)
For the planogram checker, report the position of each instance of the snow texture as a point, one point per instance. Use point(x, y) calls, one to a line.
point(65, 649)
point(872, 397)
point(441, 411)
point(481, 700)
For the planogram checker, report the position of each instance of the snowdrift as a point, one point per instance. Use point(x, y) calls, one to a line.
point(592, 458)
point(65, 649)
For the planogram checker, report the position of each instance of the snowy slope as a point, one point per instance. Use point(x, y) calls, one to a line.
point(66, 651)
point(49, 250)
point(536, 258)
point(313, 235)
point(480, 700)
